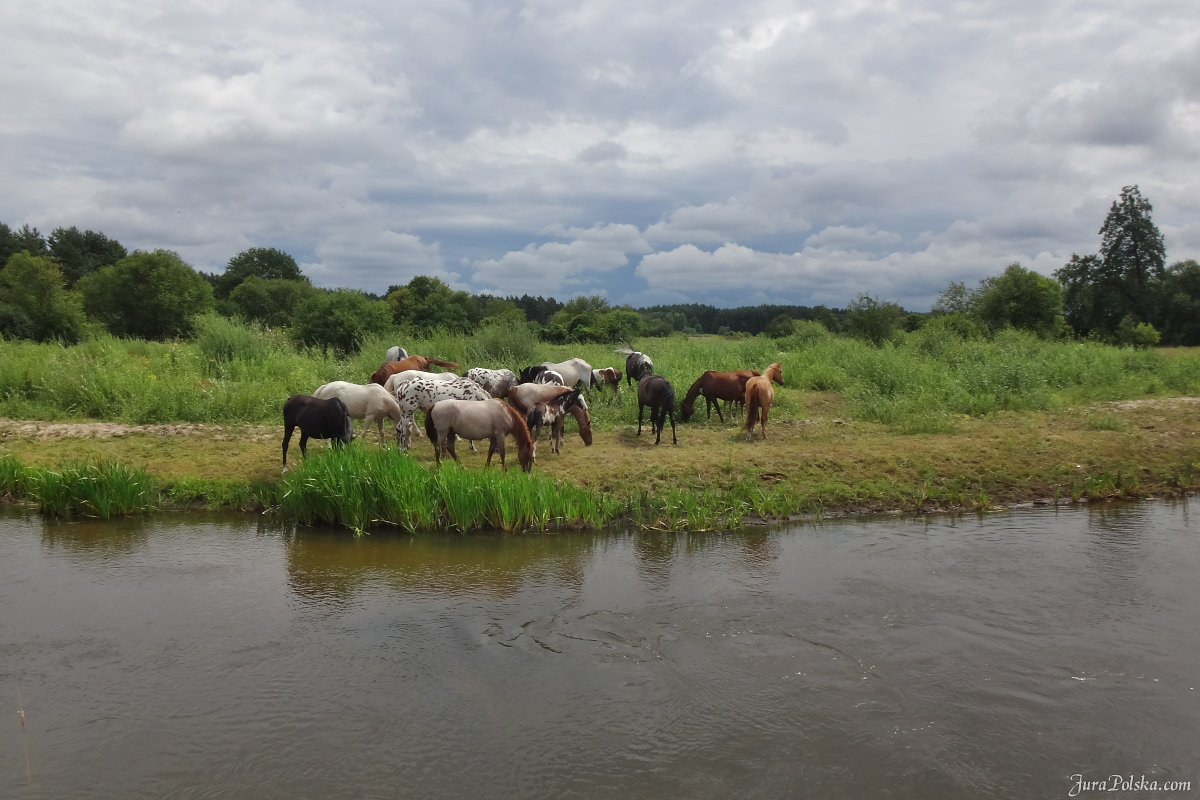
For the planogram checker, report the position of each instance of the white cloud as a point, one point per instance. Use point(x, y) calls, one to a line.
point(720, 222)
point(376, 261)
point(548, 268)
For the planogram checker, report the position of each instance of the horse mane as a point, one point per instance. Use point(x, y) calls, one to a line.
point(774, 373)
point(520, 430)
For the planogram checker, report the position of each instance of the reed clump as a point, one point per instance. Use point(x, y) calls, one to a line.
point(90, 489)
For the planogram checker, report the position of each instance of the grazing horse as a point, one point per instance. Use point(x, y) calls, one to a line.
point(574, 371)
point(549, 377)
point(410, 374)
point(527, 395)
point(714, 387)
point(607, 376)
point(396, 353)
point(553, 413)
point(421, 394)
point(368, 402)
point(759, 396)
point(658, 393)
point(492, 420)
point(495, 382)
point(529, 374)
point(637, 365)
point(317, 419)
point(380, 375)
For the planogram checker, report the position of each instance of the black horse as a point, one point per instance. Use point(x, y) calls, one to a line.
point(318, 419)
point(529, 373)
point(658, 393)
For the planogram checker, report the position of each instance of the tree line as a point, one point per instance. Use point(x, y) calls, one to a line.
point(70, 283)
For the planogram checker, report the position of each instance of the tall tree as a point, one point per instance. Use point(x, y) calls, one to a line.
point(80, 253)
point(27, 238)
point(1020, 298)
point(33, 303)
point(265, 262)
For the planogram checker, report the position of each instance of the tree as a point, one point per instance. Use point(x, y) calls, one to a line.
point(956, 299)
point(151, 295)
point(265, 262)
point(872, 319)
point(427, 303)
point(340, 319)
point(81, 253)
point(13, 242)
point(1021, 298)
point(271, 302)
point(1100, 291)
point(497, 311)
point(34, 304)
point(1178, 304)
point(780, 327)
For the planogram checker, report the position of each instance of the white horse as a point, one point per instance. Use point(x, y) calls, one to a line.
point(368, 402)
point(396, 354)
point(422, 393)
point(398, 378)
point(574, 371)
point(497, 382)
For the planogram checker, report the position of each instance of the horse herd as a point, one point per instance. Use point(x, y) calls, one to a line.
point(494, 404)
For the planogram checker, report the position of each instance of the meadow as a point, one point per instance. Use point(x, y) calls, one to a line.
point(930, 420)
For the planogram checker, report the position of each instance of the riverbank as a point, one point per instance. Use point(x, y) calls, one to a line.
point(824, 463)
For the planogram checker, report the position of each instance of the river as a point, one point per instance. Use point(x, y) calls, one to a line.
point(192, 656)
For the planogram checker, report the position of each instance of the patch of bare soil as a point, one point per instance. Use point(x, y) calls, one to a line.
point(1155, 402)
point(27, 429)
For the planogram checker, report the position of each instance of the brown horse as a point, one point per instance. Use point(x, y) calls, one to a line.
point(474, 419)
point(553, 413)
point(658, 393)
point(422, 363)
point(759, 396)
point(527, 395)
point(717, 386)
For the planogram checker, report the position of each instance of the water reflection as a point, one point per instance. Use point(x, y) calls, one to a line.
point(103, 539)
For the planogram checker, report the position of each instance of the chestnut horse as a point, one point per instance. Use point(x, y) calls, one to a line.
point(380, 375)
point(658, 393)
point(759, 396)
point(527, 395)
point(470, 419)
point(714, 387)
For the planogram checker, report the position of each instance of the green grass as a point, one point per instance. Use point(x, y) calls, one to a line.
point(102, 489)
point(234, 373)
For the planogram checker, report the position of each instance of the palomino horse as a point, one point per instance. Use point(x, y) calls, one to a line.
point(637, 365)
point(714, 387)
point(421, 394)
point(527, 395)
point(492, 420)
point(495, 382)
point(574, 371)
point(759, 396)
point(368, 402)
point(317, 419)
point(658, 393)
point(553, 413)
point(411, 374)
point(396, 353)
point(380, 375)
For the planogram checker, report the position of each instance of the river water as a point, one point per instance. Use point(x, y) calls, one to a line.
point(206, 656)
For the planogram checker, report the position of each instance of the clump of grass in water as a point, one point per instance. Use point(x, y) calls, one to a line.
point(101, 489)
point(358, 487)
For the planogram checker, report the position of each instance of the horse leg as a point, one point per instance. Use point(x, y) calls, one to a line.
point(499, 445)
point(287, 438)
point(717, 406)
point(671, 412)
point(640, 407)
point(303, 443)
point(765, 410)
point(405, 428)
point(491, 450)
point(450, 437)
point(472, 443)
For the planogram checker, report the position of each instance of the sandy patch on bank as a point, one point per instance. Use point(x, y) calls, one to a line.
point(29, 429)
point(1155, 402)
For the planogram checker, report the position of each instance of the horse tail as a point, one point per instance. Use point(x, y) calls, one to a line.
point(431, 428)
point(625, 351)
point(444, 364)
point(753, 405)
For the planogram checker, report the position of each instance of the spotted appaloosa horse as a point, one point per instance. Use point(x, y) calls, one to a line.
point(491, 419)
point(637, 365)
point(714, 387)
point(422, 393)
point(495, 382)
point(658, 393)
point(759, 396)
point(380, 375)
point(317, 419)
point(394, 381)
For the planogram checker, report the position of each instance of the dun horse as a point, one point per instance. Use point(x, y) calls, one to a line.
point(658, 393)
point(759, 396)
point(490, 419)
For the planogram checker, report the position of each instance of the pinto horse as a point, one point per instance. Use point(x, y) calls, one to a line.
point(553, 413)
point(317, 419)
point(527, 395)
point(637, 365)
point(759, 396)
point(380, 375)
point(573, 371)
point(491, 419)
point(714, 387)
point(607, 376)
point(658, 393)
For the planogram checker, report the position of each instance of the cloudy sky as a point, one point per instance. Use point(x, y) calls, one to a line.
point(700, 151)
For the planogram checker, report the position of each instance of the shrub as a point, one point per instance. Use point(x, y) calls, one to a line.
point(148, 295)
point(874, 320)
point(33, 303)
point(340, 320)
point(1132, 333)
